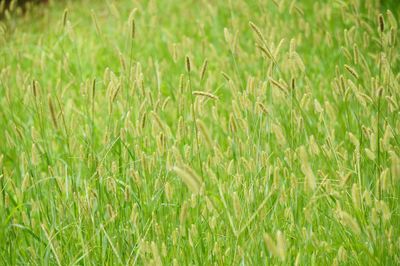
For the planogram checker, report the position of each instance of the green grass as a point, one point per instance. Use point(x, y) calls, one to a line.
point(294, 158)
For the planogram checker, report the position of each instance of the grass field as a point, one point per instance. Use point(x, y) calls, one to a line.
point(260, 132)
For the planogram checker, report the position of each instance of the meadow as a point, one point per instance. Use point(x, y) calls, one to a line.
point(235, 132)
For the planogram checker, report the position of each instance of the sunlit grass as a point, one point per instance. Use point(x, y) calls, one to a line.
point(200, 132)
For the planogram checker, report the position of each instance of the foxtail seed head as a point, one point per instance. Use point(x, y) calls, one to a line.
point(52, 111)
point(352, 71)
point(392, 19)
point(189, 177)
point(93, 88)
point(293, 84)
point(34, 88)
point(188, 65)
point(205, 94)
point(203, 70)
point(65, 17)
point(381, 23)
point(133, 28)
point(257, 31)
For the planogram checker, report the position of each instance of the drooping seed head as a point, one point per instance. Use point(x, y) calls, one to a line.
point(205, 94)
point(258, 32)
point(265, 51)
point(352, 71)
point(278, 85)
point(262, 108)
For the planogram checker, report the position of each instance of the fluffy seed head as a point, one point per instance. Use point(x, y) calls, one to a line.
point(310, 182)
point(203, 130)
point(277, 249)
point(392, 19)
point(189, 177)
point(348, 221)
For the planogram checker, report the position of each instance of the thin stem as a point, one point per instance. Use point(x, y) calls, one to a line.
point(129, 75)
point(379, 117)
point(194, 123)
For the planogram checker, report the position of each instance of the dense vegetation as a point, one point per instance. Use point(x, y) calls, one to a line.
point(200, 132)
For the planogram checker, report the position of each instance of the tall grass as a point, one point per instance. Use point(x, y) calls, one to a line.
point(275, 142)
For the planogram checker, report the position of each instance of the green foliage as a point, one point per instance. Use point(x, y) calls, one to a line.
point(200, 132)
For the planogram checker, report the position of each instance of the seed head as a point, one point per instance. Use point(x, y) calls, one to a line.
point(352, 71)
point(293, 84)
point(168, 191)
point(205, 94)
point(203, 70)
point(276, 248)
point(188, 64)
point(65, 17)
point(347, 220)
point(262, 108)
point(265, 51)
point(257, 31)
point(133, 28)
point(381, 23)
point(52, 111)
point(34, 89)
point(355, 54)
point(236, 205)
point(227, 78)
point(203, 130)
point(189, 177)
point(392, 19)
point(278, 85)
